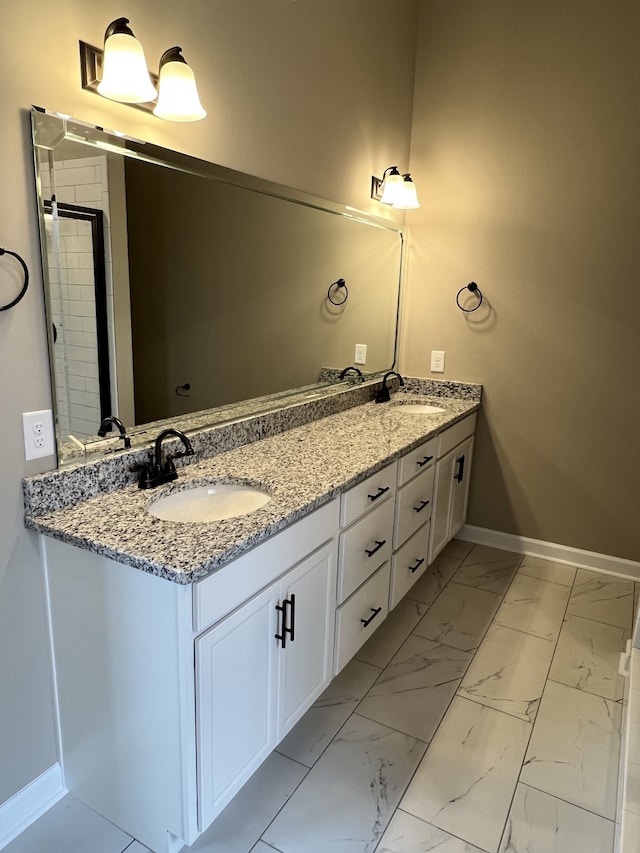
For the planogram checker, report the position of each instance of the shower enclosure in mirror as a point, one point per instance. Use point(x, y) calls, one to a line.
point(176, 286)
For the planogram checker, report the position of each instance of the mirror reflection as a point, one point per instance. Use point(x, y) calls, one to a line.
point(177, 286)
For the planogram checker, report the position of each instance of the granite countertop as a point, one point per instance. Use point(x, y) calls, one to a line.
point(301, 469)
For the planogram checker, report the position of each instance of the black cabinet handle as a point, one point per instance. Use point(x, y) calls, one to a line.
point(379, 545)
point(424, 461)
point(415, 568)
point(374, 613)
point(382, 490)
point(423, 504)
point(460, 473)
point(287, 608)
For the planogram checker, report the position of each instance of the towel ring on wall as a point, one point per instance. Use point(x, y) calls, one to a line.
point(473, 288)
point(26, 279)
point(340, 284)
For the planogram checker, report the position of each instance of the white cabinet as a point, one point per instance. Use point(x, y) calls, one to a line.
point(307, 658)
point(408, 564)
point(172, 695)
point(236, 672)
point(257, 672)
point(367, 513)
point(361, 615)
point(414, 502)
point(451, 490)
point(460, 489)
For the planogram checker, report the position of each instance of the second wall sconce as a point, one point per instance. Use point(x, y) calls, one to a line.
point(395, 189)
point(119, 72)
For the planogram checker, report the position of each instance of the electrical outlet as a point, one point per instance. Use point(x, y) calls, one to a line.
point(360, 356)
point(437, 361)
point(38, 434)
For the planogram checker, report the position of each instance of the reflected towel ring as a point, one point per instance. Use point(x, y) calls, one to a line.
point(473, 288)
point(339, 284)
point(26, 279)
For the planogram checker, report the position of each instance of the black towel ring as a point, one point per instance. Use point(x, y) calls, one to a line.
point(473, 288)
point(339, 284)
point(26, 279)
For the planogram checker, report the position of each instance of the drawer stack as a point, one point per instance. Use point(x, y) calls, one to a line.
point(414, 499)
point(366, 543)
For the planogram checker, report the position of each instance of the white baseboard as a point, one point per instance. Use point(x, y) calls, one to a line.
point(30, 803)
point(550, 551)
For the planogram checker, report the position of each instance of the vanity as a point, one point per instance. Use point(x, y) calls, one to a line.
point(186, 651)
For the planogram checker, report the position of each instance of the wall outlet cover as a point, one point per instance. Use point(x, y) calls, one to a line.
point(39, 437)
point(360, 356)
point(437, 361)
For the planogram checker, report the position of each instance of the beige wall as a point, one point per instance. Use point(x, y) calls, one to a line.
point(525, 150)
point(294, 92)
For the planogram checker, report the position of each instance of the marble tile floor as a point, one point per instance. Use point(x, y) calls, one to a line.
point(482, 717)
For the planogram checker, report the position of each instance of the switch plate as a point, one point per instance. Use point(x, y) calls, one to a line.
point(38, 434)
point(437, 361)
point(360, 356)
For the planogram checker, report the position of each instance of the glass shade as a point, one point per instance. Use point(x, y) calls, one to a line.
point(393, 187)
point(178, 96)
point(407, 197)
point(125, 77)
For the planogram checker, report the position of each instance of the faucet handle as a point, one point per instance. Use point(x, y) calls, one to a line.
point(189, 451)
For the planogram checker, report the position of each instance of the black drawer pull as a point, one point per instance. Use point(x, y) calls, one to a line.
point(460, 473)
point(423, 504)
point(382, 490)
point(379, 545)
point(415, 568)
point(288, 606)
point(374, 613)
point(424, 461)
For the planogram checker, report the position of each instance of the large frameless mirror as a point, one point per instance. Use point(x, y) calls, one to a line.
point(175, 286)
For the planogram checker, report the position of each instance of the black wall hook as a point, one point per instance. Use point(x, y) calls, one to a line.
point(472, 287)
point(340, 284)
point(26, 279)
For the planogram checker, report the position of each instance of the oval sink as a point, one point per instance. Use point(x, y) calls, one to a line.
point(209, 503)
point(409, 408)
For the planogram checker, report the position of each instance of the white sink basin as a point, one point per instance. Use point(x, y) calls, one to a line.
point(407, 407)
point(209, 503)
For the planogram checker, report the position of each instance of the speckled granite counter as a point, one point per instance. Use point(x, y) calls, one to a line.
point(301, 469)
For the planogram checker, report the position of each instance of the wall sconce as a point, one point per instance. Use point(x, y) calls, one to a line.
point(395, 189)
point(119, 72)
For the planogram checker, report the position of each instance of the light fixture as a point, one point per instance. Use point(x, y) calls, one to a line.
point(395, 189)
point(409, 198)
point(119, 72)
point(124, 73)
point(178, 96)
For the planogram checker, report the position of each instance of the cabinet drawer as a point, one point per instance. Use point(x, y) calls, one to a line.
point(408, 564)
point(417, 460)
point(237, 581)
point(370, 605)
point(413, 506)
point(455, 434)
point(364, 547)
point(367, 494)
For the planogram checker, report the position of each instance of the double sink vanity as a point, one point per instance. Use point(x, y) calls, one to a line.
point(186, 650)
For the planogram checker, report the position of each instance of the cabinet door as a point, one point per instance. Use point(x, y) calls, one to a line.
point(460, 486)
point(442, 496)
point(306, 661)
point(236, 670)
